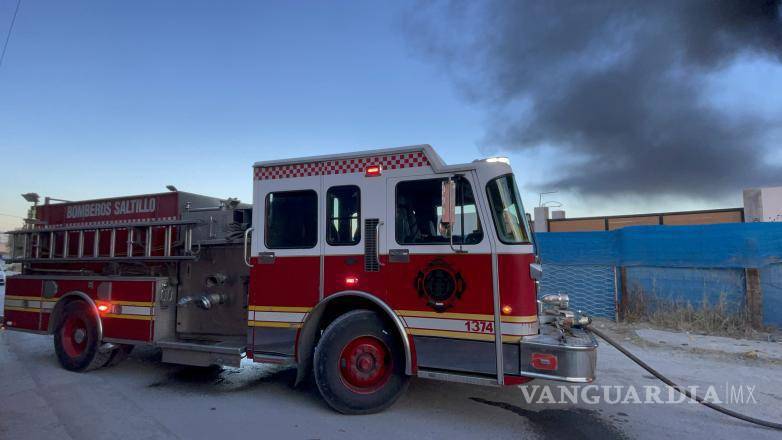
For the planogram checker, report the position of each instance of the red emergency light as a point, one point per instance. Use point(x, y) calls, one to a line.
point(351, 281)
point(373, 170)
point(106, 307)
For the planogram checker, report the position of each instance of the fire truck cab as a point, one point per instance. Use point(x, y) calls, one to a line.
point(363, 268)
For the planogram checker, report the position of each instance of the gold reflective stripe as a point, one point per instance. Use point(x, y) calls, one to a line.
point(466, 316)
point(461, 335)
point(426, 314)
point(520, 318)
point(274, 324)
point(139, 317)
point(130, 303)
point(280, 309)
point(119, 303)
point(22, 309)
point(411, 313)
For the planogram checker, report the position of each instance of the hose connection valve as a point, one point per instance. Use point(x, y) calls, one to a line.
point(554, 309)
point(559, 300)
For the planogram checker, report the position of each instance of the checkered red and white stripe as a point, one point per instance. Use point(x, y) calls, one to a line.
point(342, 166)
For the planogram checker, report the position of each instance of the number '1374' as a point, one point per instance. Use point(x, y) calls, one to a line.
point(479, 326)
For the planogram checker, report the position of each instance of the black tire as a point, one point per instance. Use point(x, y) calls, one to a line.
point(76, 339)
point(119, 354)
point(343, 384)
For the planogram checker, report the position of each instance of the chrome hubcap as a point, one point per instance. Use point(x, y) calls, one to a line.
point(79, 335)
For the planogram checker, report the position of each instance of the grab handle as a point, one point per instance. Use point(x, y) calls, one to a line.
point(246, 241)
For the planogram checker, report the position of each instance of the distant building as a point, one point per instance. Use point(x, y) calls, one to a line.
point(760, 205)
point(763, 204)
point(609, 223)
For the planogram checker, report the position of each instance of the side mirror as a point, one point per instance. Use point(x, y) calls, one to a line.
point(448, 197)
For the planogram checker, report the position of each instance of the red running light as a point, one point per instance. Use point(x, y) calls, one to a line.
point(103, 308)
point(351, 281)
point(373, 170)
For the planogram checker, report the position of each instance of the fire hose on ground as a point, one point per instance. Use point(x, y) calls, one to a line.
point(568, 318)
point(680, 389)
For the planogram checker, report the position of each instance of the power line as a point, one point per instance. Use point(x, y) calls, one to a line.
point(10, 30)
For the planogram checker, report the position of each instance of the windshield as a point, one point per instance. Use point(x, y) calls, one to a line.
point(507, 210)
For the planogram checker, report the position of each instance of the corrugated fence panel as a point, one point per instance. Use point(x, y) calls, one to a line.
point(590, 287)
point(689, 284)
point(575, 248)
point(730, 245)
point(686, 263)
point(771, 286)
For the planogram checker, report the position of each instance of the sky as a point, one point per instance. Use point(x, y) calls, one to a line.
point(101, 99)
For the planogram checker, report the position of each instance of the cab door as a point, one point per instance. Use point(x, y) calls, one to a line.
point(442, 288)
point(355, 205)
point(285, 263)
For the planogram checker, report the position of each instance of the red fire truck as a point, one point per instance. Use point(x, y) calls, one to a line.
point(363, 268)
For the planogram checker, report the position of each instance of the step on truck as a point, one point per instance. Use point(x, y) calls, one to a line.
point(360, 270)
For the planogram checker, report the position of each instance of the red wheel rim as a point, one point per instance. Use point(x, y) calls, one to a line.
point(74, 336)
point(365, 365)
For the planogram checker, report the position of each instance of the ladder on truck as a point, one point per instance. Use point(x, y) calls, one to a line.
point(47, 244)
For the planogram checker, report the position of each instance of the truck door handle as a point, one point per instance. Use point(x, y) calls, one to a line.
point(398, 256)
point(246, 242)
point(377, 250)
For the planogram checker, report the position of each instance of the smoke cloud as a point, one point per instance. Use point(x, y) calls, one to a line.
point(619, 88)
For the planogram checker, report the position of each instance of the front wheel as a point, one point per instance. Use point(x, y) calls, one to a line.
point(359, 364)
point(76, 339)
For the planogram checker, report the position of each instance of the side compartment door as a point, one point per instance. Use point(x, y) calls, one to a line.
point(443, 292)
point(23, 303)
point(286, 263)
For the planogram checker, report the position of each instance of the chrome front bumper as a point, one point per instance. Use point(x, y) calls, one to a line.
point(569, 356)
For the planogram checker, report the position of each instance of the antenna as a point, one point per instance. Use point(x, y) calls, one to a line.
point(541, 194)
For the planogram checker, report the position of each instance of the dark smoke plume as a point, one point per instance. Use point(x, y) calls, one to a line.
point(619, 85)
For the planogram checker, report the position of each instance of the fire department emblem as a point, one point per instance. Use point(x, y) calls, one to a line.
point(440, 285)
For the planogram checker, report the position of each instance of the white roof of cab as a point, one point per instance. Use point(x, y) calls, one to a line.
point(437, 163)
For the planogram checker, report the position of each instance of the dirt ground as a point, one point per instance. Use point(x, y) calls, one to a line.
point(144, 398)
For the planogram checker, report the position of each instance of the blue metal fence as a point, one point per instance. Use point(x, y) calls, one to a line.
point(687, 263)
point(771, 288)
point(731, 245)
point(591, 288)
point(690, 285)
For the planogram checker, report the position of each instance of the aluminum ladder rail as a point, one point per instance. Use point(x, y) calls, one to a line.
point(34, 240)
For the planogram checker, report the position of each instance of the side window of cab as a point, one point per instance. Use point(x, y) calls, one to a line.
point(291, 220)
point(419, 210)
point(343, 215)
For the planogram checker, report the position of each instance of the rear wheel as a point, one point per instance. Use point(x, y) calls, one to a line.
point(76, 339)
point(359, 364)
